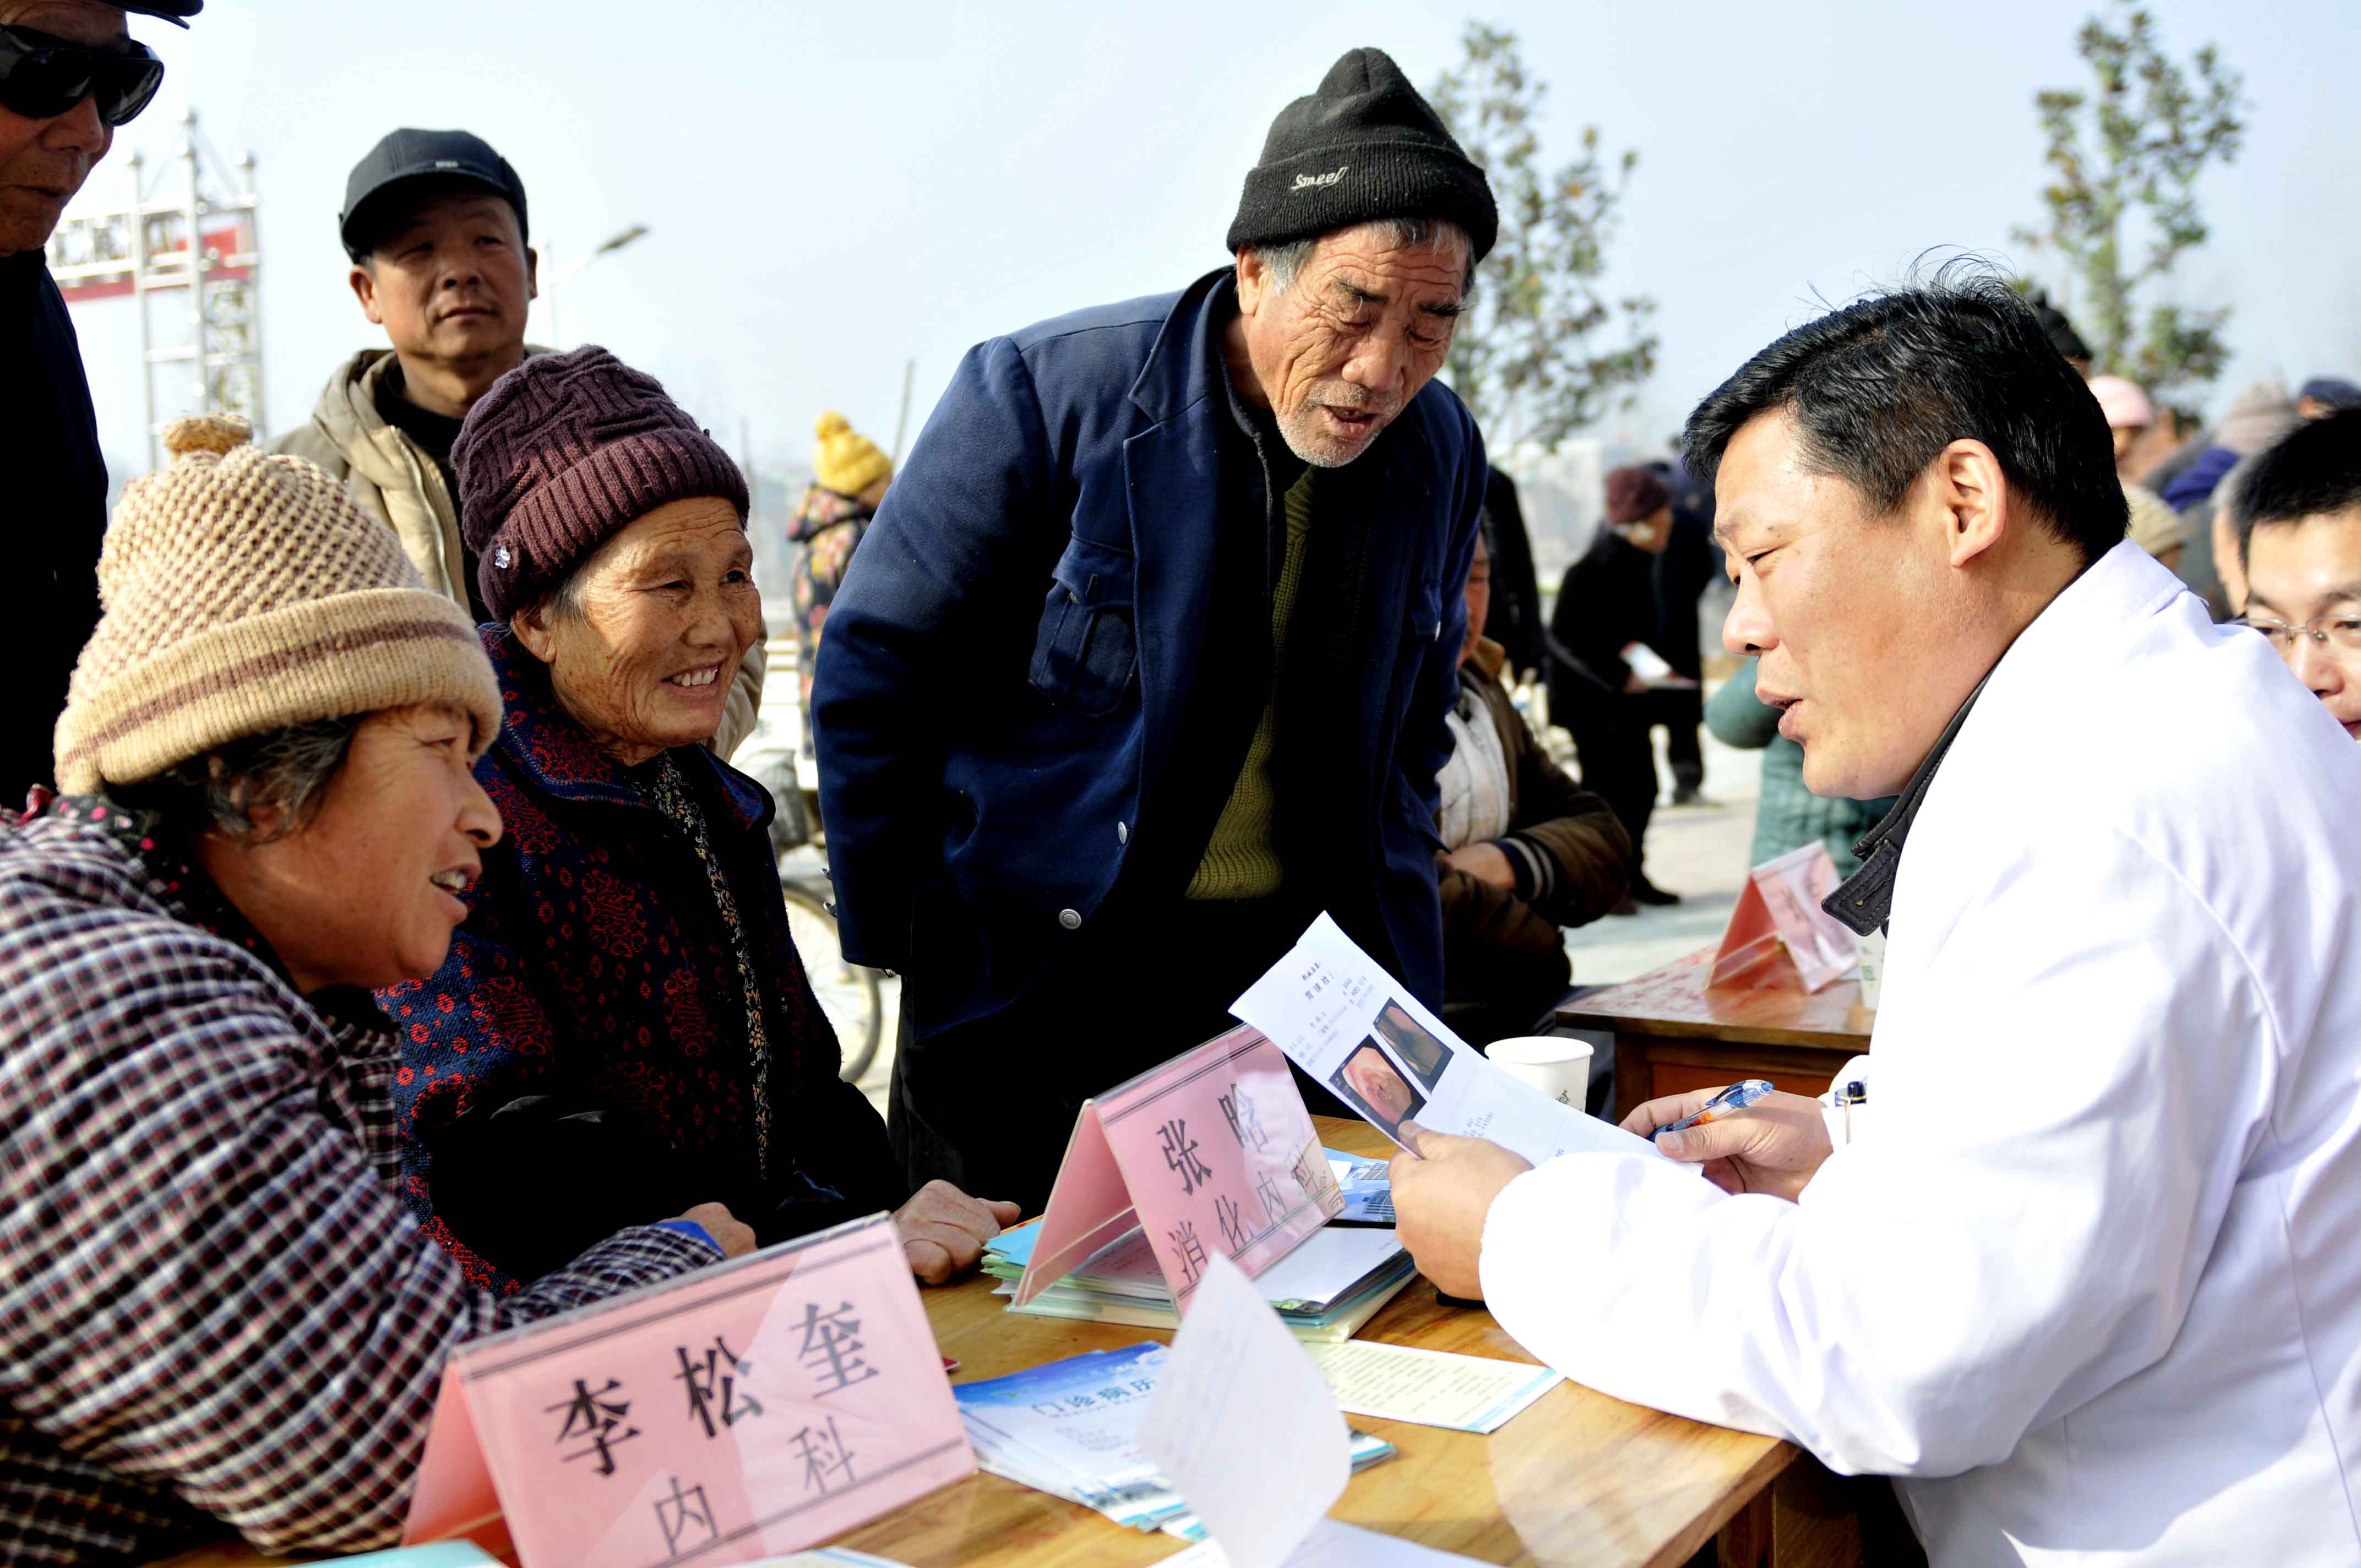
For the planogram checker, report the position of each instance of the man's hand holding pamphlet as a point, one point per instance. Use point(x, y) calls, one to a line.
point(1341, 1018)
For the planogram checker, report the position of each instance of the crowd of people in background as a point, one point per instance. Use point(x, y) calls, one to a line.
point(393, 954)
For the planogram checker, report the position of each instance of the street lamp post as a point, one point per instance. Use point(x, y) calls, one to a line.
point(606, 247)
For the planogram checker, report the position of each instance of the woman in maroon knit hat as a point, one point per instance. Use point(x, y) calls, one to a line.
point(624, 1015)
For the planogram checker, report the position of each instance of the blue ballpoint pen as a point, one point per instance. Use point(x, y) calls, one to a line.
point(1737, 1097)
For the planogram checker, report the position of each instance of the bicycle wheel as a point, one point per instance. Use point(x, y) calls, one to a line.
point(848, 993)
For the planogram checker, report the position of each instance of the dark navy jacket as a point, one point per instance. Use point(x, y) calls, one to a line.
point(55, 513)
point(1007, 659)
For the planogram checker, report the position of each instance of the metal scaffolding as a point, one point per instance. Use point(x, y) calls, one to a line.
point(194, 240)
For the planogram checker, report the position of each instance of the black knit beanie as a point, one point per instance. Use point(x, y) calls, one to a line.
point(1365, 147)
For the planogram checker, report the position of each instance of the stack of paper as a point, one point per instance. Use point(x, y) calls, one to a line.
point(1071, 1429)
point(1331, 1544)
point(1324, 1289)
point(1244, 1424)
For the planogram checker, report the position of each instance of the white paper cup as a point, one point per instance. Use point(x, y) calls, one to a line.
point(1872, 968)
point(1559, 1068)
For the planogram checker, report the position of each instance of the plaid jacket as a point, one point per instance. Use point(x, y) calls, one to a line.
point(212, 1299)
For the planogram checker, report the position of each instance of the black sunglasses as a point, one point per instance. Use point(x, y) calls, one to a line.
point(42, 77)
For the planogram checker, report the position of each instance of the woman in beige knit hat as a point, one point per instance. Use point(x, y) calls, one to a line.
point(213, 1301)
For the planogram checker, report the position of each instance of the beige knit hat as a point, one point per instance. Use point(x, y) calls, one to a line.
point(245, 593)
point(2154, 528)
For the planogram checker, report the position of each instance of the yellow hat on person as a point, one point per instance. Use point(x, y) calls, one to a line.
point(245, 593)
point(847, 461)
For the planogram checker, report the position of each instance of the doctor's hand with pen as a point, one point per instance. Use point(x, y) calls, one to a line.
point(1749, 1137)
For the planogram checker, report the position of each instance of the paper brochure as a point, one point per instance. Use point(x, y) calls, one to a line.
point(1369, 1190)
point(1332, 1544)
point(1432, 1388)
point(1242, 1424)
point(1071, 1429)
point(1344, 1020)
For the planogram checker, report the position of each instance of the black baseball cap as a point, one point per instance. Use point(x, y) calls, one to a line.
point(176, 12)
point(406, 155)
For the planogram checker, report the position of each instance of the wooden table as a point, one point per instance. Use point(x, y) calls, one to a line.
point(1577, 1481)
point(1672, 1033)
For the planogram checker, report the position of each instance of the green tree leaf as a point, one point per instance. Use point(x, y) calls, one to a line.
point(1524, 359)
point(2124, 154)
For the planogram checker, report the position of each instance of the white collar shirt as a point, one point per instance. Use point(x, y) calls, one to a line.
point(2089, 1279)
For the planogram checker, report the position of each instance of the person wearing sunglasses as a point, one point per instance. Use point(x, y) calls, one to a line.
point(2300, 542)
point(69, 73)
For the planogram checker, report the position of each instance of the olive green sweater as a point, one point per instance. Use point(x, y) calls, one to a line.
point(1242, 858)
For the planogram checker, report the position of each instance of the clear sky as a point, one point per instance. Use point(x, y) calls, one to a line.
point(832, 191)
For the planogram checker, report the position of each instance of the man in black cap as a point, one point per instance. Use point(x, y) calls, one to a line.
point(69, 73)
point(436, 225)
point(1148, 658)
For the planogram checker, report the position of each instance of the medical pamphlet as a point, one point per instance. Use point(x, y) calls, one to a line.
point(1332, 1544)
point(1344, 1020)
point(1369, 1190)
point(1071, 1429)
point(1432, 1388)
point(1245, 1427)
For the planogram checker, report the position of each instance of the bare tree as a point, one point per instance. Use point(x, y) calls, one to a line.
point(1524, 360)
point(2124, 154)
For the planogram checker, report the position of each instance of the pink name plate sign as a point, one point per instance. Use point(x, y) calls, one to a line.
point(1211, 1152)
point(740, 1412)
point(1779, 917)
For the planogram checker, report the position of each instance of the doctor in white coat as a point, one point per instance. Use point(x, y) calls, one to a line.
point(2085, 1271)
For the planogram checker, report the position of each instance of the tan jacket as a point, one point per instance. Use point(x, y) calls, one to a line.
point(391, 478)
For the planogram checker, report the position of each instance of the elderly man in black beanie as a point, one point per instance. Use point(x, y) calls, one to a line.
point(1148, 657)
point(70, 76)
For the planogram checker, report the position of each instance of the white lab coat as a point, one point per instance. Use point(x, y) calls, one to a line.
point(2089, 1275)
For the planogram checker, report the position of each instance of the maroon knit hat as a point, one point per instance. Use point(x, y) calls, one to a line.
point(562, 454)
point(1633, 493)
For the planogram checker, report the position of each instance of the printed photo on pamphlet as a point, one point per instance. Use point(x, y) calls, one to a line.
point(1377, 1087)
point(1343, 1019)
point(1423, 1054)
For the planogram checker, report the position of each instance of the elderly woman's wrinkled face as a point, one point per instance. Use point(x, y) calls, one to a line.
point(367, 891)
point(663, 613)
point(1343, 349)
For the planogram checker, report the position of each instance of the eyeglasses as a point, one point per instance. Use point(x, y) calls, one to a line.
point(42, 77)
point(2340, 634)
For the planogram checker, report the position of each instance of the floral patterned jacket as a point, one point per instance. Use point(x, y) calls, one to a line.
point(584, 1049)
point(828, 526)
